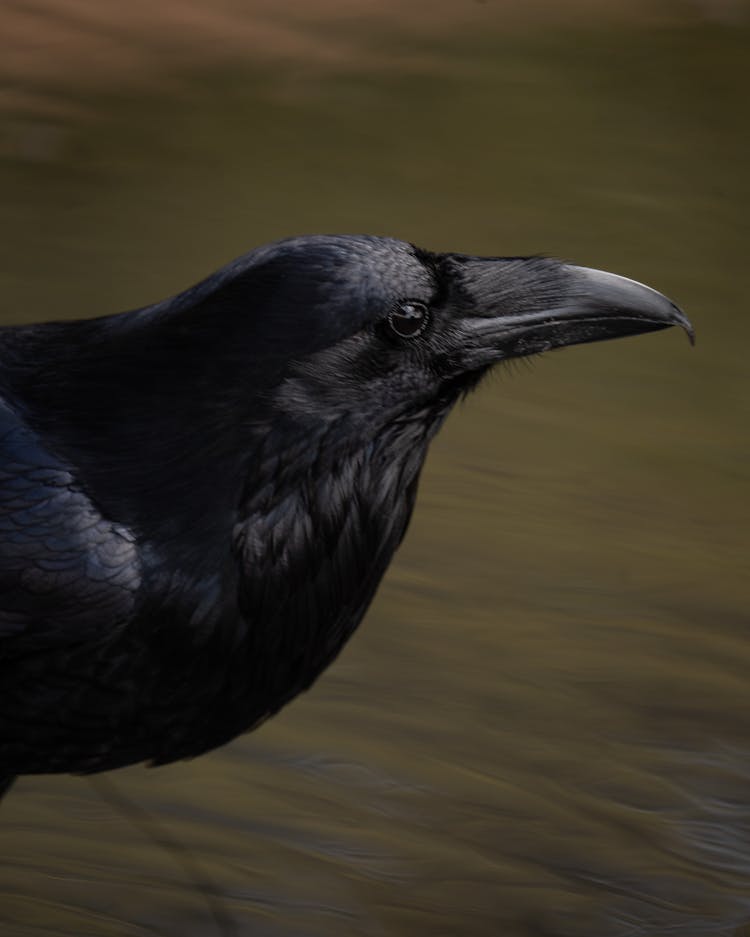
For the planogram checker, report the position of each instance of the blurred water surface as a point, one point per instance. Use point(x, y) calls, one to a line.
point(543, 725)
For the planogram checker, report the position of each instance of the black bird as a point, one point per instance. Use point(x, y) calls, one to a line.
point(198, 499)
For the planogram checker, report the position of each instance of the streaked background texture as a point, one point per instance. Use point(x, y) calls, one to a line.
point(543, 726)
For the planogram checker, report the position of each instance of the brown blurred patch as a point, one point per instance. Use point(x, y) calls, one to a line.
point(52, 49)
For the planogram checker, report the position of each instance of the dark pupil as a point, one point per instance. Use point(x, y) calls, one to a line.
point(408, 319)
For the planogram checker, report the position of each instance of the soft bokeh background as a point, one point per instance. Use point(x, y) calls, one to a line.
point(543, 725)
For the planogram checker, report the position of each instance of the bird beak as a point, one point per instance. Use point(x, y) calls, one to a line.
point(576, 305)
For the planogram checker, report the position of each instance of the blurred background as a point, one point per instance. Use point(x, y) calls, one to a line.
point(543, 725)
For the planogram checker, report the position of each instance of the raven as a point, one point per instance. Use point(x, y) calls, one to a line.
point(199, 498)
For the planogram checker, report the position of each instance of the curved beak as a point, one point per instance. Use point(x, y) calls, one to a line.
point(574, 305)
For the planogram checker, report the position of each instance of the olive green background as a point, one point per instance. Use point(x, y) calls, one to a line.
point(543, 725)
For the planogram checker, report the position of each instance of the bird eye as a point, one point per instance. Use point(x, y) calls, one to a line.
point(409, 319)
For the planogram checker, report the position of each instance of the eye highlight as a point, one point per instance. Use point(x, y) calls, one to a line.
point(409, 319)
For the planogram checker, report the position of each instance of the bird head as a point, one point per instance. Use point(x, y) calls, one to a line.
point(373, 331)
